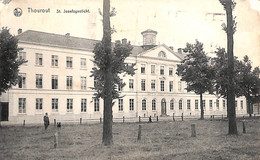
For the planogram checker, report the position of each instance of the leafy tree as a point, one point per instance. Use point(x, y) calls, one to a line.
point(109, 66)
point(196, 71)
point(9, 63)
point(249, 82)
point(230, 29)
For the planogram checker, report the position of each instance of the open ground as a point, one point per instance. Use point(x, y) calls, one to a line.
point(160, 140)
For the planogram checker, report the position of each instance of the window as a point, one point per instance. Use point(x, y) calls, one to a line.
point(38, 105)
point(22, 80)
point(83, 83)
point(241, 104)
point(180, 104)
point(54, 104)
point(188, 104)
point(224, 104)
point(131, 104)
point(210, 104)
point(171, 86)
point(22, 56)
point(170, 71)
point(69, 82)
point(172, 104)
point(204, 104)
point(143, 84)
point(143, 104)
point(22, 105)
point(196, 104)
point(96, 105)
point(69, 62)
point(153, 85)
point(161, 70)
point(54, 61)
point(217, 104)
point(143, 68)
point(153, 104)
point(83, 105)
point(152, 69)
point(179, 86)
point(162, 54)
point(120, 105)
point(83, 63)
point(69, 105)
point(38, 59)
point(131, 83)
point(38, 80)
point(54, 82)
point(162, 85)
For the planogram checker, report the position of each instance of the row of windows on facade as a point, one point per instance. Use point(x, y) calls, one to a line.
point(69, 84)
point(55, 104)
point(153, 70)
point(54, 60)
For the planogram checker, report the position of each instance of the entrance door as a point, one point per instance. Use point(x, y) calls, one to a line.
point(4, 112)
point(163, 107)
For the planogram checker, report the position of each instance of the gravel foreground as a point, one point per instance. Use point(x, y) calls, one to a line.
point(160, 140)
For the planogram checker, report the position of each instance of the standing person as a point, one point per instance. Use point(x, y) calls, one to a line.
point(46, 121)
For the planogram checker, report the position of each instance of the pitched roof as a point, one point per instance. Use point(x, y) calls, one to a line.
point(57, 40)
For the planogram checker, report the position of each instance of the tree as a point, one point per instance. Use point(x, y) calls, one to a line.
point(109, 65)
point(196, 71)
point(230, 29)
point(249, 82)
point(9, 63)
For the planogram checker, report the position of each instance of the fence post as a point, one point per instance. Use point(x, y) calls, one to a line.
point(23, 122)
point(254, 116)
point(139, 133)
point(123, 119)
point(56, 139)
point(150, 119)
point(54, 122)
point(182, 116)
point(222, 116)
point(193, 130)
point(213, 116)
point(100, 120)
point(173, 117)
point(244, 127)
point(80, 121)
point(139, 119)
point(157, 118)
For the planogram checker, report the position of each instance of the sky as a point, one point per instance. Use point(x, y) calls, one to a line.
point(176, 21)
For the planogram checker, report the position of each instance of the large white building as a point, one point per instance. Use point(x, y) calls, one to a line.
point(56, 79)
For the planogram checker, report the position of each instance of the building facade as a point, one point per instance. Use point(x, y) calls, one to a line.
point(56, 79)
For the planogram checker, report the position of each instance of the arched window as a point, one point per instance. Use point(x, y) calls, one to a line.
point(180, 104)
point(143, 104)
point(162, 54)
point(172, 104)
point(153, 104)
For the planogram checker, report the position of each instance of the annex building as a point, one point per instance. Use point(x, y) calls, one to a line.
point(56, 79)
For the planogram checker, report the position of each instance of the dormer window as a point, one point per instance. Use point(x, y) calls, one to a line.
point(162, 54)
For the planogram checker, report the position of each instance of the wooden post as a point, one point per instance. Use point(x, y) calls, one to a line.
point(100, 120)
point(80, 121)
point(150, 119)
point(56, 139)
point(173, 117)
point(244, 127)
point(123, 119)
point(193, 130)
point(23, 122)
point(54, 122)
point(182, 116)
point(139, 133)
point(157, 118)
point(213, 116)
point(139, 119)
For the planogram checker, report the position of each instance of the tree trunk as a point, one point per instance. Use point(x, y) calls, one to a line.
point(231, 92)
point(201, 107)
point(248, 104)
point(0, 109)
point(106, 41)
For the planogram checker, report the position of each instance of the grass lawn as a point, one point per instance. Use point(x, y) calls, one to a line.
point(160, 140)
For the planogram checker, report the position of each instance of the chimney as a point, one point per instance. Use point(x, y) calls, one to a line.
point(180, 50)
point(124, 41)
point(20, 31)
point(171, 47)
point(67, 34)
